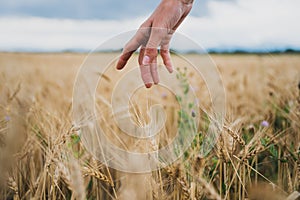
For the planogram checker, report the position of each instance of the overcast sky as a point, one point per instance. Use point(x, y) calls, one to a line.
point(88, 9)
point(55, 25)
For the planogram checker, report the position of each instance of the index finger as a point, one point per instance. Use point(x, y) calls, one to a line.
point(140, 38)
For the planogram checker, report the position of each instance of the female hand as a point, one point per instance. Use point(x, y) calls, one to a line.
point(156, 32)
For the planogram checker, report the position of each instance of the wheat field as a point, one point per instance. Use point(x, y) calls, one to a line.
point(257, 155)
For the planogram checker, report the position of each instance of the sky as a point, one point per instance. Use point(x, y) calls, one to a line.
point(58, 25)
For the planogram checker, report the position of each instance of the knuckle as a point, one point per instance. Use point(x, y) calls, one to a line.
point(151, 52)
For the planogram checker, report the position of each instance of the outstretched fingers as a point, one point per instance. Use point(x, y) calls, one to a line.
point(145, 69)
point(154, 73)
point(124, 58)
point(165, 54)
point(139, 39)
point(155, 39)
point(149, 38)
point(148, 57)
point(148, 69)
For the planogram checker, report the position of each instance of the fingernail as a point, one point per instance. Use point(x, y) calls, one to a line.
point(148, 85)
point(146, 60)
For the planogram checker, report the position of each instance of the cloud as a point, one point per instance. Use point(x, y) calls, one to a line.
point(247, 24)
point(255, 24)
point(77, 9)
point(91, 9)
point(55, 34)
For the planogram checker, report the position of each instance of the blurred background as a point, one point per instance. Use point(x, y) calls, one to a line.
point(257, 155)
point(77, 25)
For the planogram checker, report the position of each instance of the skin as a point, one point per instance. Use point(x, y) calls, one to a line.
point(156, 33)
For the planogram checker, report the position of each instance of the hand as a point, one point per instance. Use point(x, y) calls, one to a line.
point(156, 32)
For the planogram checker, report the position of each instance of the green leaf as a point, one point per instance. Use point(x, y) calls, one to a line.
point(75, 138)
point(178, 98)
point(191, 105)
point(273, 151)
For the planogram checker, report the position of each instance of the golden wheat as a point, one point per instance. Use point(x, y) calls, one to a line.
point(41, 156)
